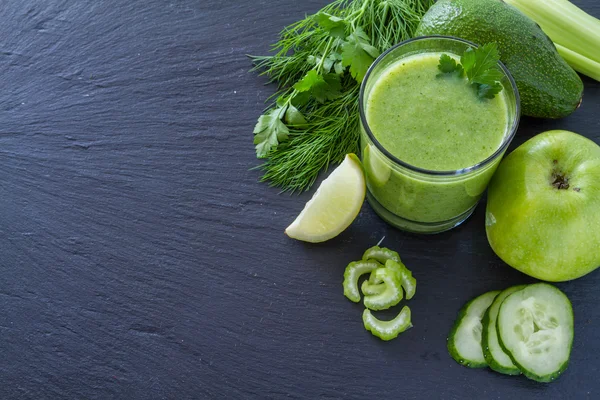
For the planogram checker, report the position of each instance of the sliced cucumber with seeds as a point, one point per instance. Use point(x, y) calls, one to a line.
point(464, 342)
point(496, 358)
point(535, 327)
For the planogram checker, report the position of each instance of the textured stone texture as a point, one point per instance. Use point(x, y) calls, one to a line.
point(141, 259)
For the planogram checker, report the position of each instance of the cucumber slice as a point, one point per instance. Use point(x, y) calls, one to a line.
point(535, 327)
point(496, 358)
point(464, 342)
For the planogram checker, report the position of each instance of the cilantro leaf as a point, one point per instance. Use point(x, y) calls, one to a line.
point(328, 90)
point(338, 68)
point(327, 64)
point(459, 70)
point(321, 87)
point(331, 60)
point(300, 99)
point(480, 66)
point(488, 77)
point(447, 64)
point(358, 54)
point(270, 131)
point(281, 102)
point(467, 60)
point(488, 91)
point(294, 117)
point(335, 26)
point(309, 80)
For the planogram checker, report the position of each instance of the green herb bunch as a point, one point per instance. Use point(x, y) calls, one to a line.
point(480, 66)
point(318, 65)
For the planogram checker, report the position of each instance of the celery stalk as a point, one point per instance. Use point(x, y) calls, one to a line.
point(580, 63)
point(567, 25)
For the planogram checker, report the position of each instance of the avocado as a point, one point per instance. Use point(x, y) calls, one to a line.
point(548, 86)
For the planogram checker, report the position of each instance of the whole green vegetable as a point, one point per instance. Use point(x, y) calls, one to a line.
point(548, 86)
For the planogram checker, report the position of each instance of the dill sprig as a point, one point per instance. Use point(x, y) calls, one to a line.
point(331, 134)
point(318, 65)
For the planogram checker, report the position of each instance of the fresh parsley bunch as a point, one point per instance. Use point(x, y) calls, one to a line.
point(319, 63)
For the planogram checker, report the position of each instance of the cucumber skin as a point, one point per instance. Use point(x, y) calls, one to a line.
point(487, 354)
point(451, 348)
point(529, 374)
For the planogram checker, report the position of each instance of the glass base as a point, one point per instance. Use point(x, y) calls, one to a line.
point(415, 226)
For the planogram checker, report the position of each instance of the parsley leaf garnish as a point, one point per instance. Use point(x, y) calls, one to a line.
point(447, 64)
point(358, 54)
point(334, 59)
point(489, 91)
point(480, 66)
point(321, 87)
point(335, 26)
point(309, 80)
point(270, 131)
point(481, 62)
point(293, 117)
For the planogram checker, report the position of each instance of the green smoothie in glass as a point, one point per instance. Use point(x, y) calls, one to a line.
point(429, 144)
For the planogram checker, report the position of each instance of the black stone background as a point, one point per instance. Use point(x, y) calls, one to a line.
point(141, 259)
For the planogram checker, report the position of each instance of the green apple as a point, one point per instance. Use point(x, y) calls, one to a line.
point(543, 209)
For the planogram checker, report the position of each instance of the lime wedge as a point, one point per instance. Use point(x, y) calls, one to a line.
point(334, 206)
point(377, 170)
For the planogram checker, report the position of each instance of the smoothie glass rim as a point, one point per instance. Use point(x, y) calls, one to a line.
point(503, 146)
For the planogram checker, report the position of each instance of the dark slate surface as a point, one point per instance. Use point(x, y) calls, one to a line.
point(142, 260)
